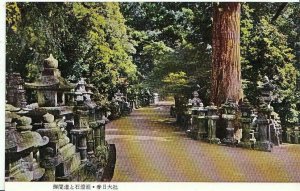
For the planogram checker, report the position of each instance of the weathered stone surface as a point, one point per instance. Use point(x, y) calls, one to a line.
point(263, 120)
point(48, 118)
point(23, 121)
point(68, 166)
point(10, 140)
point(15, 90)
point(50, 86)
point(60, 159)
point(9, 107)
point(28, 139)
point(229, 114)
point(67, 151)
point(196, 101)
point(50, 62)
point(212, 123)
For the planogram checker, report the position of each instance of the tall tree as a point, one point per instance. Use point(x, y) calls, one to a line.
point(226, 67)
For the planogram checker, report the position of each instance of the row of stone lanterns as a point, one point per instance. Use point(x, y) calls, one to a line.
point(241, 126)
point(68, 119)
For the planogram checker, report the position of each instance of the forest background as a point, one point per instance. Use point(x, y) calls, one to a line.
point(161, 47)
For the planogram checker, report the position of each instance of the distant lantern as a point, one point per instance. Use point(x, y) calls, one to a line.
point(298, 84)
point(297, 48)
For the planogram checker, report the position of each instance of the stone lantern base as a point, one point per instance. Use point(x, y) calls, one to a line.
point(263, 146)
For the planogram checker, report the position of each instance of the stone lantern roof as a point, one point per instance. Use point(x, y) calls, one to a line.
point(83, 91)
point(23, 138)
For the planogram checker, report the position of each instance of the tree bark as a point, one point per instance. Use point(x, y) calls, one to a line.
point(226, 66)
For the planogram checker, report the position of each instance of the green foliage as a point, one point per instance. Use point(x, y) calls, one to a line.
point(265, 52)
point(108, 45)
point(13, 16)
point(175, 81)
point(88, 39)
point(161, 46)
point(171, 38)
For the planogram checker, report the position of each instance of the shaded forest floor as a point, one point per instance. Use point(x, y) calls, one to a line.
point(151, 148)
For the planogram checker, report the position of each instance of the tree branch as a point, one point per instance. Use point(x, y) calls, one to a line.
point(279, 11)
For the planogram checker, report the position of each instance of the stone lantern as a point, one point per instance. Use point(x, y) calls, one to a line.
point(20, 145)
point(59, 156)
point(264, 116)
point(297, 48)
point(15, 90)
point(50, 87)
point(198, 128)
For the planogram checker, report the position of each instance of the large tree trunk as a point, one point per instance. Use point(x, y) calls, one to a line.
point(226, 66)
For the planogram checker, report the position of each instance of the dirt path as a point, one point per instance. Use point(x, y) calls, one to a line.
point(149, 148)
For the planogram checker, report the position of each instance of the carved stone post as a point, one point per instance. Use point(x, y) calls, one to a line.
point(212, 123)
point(246, 120)
point(198, 128)
point(80, 133)
point(49, 162)
point(99, 132)
point(296, 135)
point(275, 130)
point(90, 143)
point(264, 142)
point(15, 90)
point(229, 115)
point(201, 122)
point(49, 156)
point(287, 137)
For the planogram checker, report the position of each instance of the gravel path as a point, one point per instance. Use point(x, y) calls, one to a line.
point(149, 148)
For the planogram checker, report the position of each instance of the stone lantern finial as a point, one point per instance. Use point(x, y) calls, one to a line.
point(50, 62)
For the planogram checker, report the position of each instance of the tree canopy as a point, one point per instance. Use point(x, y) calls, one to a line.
point(164, 47)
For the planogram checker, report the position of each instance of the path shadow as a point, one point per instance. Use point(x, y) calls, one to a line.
point(110, 167)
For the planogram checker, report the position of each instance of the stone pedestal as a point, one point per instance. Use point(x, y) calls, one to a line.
point(229, 109)
point(252, 137)
point(295, 136)
point(79, 138)
point(287, 137)
point(247, 139)
point(101, 135)
point(212, 124)
point(59, 157)
point(187, 119)
point(80, 133)
point(49, 163)
point(202, 124)
point(229, 129)
point(264, 142)
point(274, 133)
point(247, 133)
point(90, 143)
point(194, 127)
point(15, 90)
